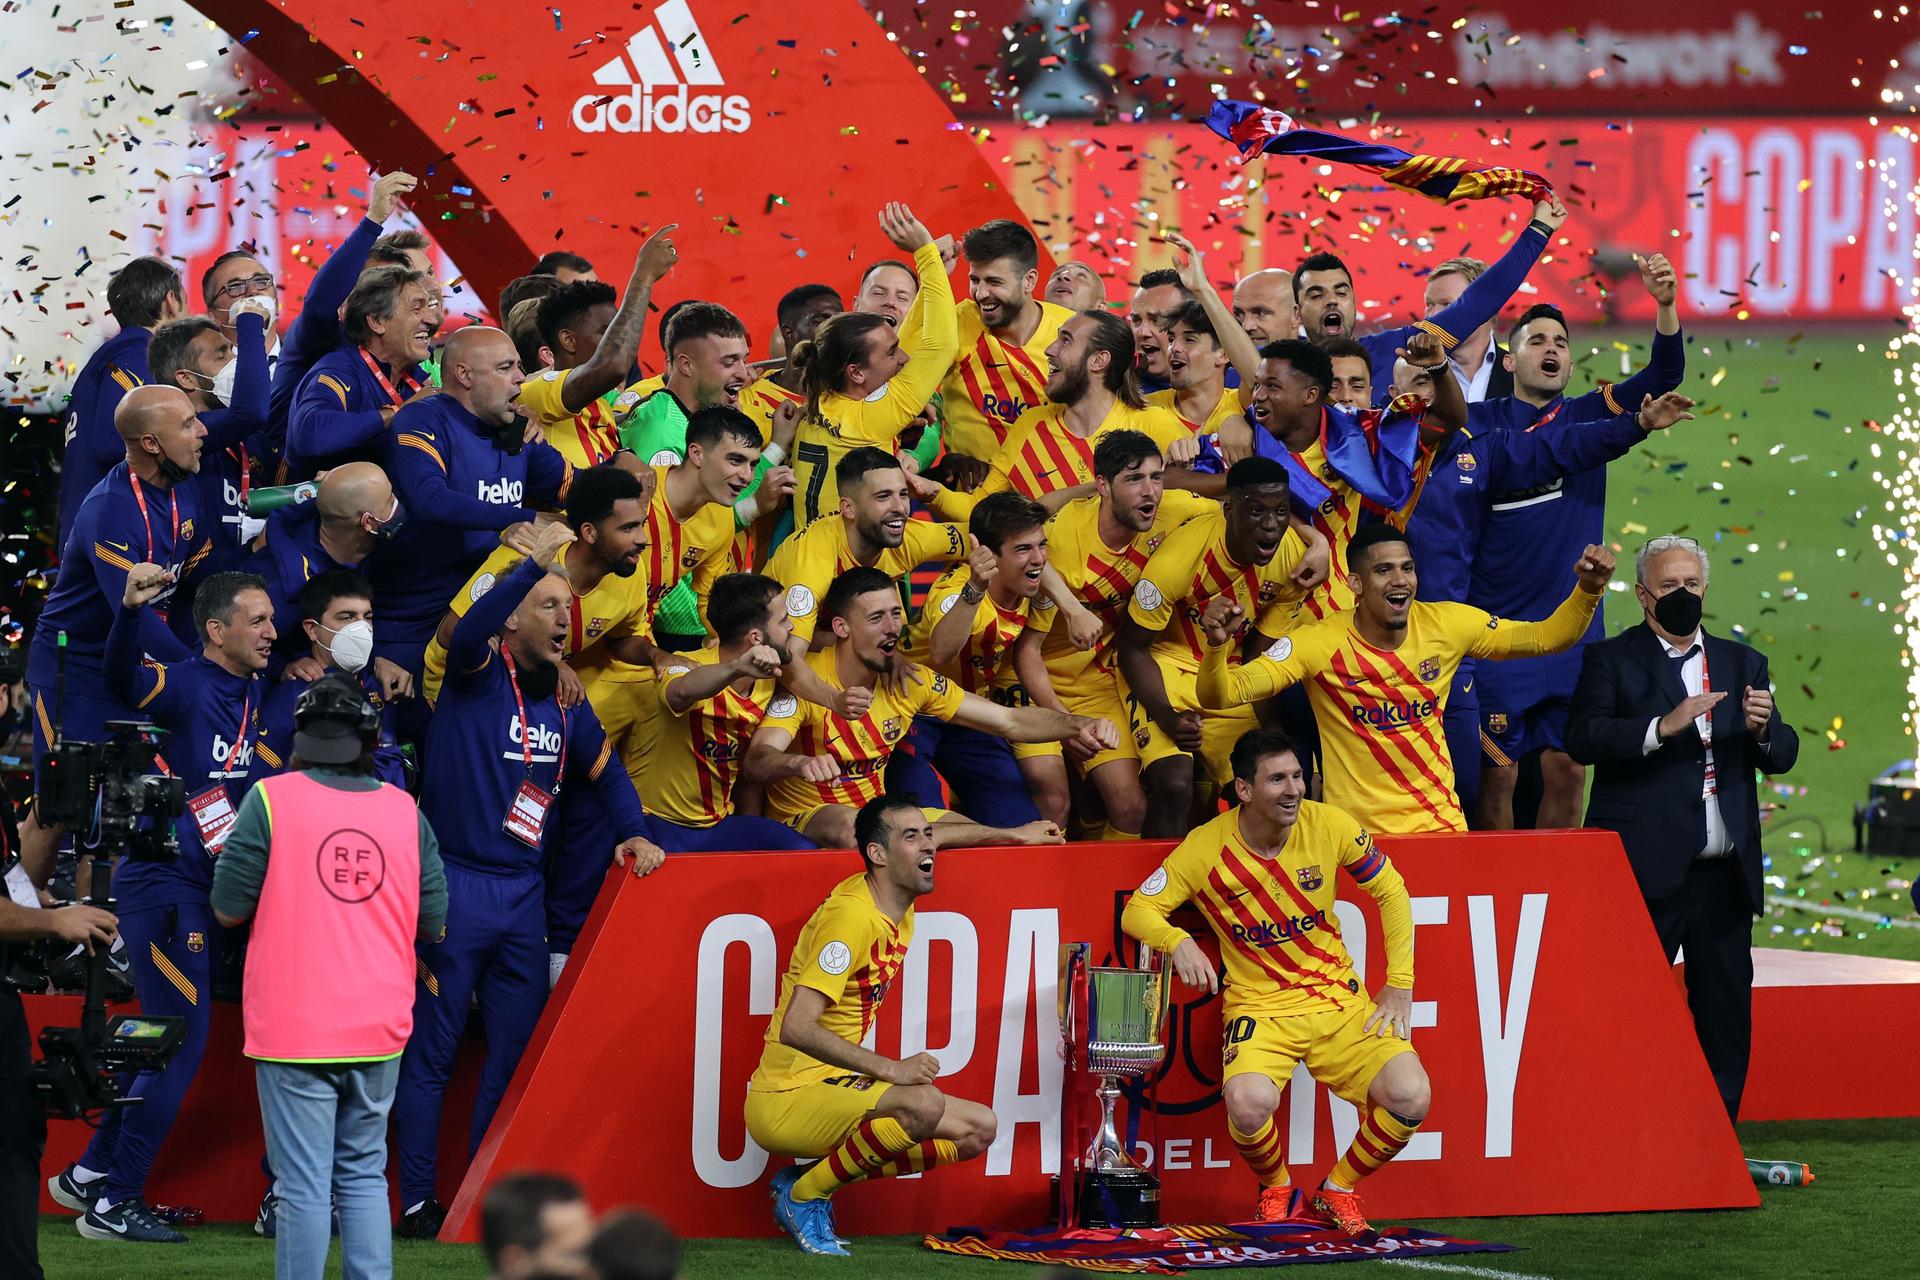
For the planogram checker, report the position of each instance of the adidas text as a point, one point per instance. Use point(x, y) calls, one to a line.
point(670, 110)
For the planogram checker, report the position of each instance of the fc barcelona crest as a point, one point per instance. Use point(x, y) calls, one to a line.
point(1465, 462)
point(595, 627)
point(1327, 472)
point(691, 557)
point(1429, 669)
point(1497, 722)
point(891, 729)
point(1310, 877)
point(196, 942)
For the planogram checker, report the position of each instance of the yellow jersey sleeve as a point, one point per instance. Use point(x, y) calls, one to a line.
point(938, 696)
point(842, 937)
point(540, 396)
point(943, 598)
point(786, 712)
point(1287, 661)
point(1170, 887)
point(927, 540)
point(1162, 425)
point(1163, 583)
point(804, 565)
point(1485, 636)
point(1180, 506)
point(1374, 872)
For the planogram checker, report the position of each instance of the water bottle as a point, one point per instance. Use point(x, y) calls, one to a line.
point(1780, 1173)
point(273, 497)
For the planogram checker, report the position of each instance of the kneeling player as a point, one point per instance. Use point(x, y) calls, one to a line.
point(1262, 876)
point(818, 1094)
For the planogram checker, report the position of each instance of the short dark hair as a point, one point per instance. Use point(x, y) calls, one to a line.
point(520, 288)
point(1000, 516)
point(1194, 316)
point(206, 277)
point(856, 463)
point(1002, 238)
point(550, 263)
point(1345, 349)
point(217, 597)
point(595, 490)
point(376, 296)
point(1256, 745)
point(1251, 473)
point(167, 348)
point(510, 1214)
point(795, 301)
point(322, 589)
point(631, 1245)
point(1366, 538)
point(1114, 336)
point(1538, 311)
point(701, 320)
point(709, 426)
point(1306, 359)
point(667, 316)
point(137, 291)
point(1122, 451)
point(392, 248)
point(889, 262)
point(1322, 261)
point(739, 602)
point(856, 582)
point(870, 824)
point(1161, 276)
point(567, 306)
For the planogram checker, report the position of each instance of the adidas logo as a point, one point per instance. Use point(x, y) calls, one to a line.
point(649, 85)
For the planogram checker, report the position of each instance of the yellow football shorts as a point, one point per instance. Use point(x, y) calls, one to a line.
point(1338, 1053)
point(1098, 697)
point(813, 1119)
point(1219, 730)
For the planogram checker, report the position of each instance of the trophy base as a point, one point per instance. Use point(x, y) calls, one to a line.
point(1118, 1198)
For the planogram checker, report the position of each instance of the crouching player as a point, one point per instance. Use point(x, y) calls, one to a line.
point(818, 1094)
point(1262, 876)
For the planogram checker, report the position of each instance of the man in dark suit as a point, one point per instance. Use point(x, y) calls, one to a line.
point(1675, 722)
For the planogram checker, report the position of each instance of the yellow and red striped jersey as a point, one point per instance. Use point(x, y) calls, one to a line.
point(1103, 578)
point(1191, 568)
point(1381, 711)
point(993, 382)
point(862, 746)
point(982, 658)
point(759, 400)
point(585, 438)
point(701, 545)
point(850, 952)
point(807, 563)
point(686, 765)
point(1042, 454)
point(1279, 938)
point(1226, 407)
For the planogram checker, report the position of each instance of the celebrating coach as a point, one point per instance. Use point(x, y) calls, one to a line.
point(1675, 722)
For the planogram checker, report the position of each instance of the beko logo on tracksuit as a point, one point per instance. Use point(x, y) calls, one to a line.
point(652, 84)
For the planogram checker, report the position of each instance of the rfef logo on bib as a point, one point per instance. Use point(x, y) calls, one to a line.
point(652, 83)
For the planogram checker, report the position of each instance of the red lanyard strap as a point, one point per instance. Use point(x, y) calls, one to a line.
point(526, 730)
point(140, 498)
point(410, 383)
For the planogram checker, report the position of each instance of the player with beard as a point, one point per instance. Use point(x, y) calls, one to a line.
point(348, 400)
point(1292, 995)
point(1151, 309)
point(1524, 706)
point(819, 767)
point(819, 1095)
point(1378, 674)
point(1098, 545)
point(1077, 287)
point(865, 383)
point(593, 346)
point(799, 314)
point(1005, 332)
point(1091, 392)
point(500, 750)
point(1246, 553)
point(1323, 297)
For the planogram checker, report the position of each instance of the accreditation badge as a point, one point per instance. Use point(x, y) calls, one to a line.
point(527, 815)
point(214, 815)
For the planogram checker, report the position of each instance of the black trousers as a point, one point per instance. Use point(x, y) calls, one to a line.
point(1712, 917)
point(23, 1138)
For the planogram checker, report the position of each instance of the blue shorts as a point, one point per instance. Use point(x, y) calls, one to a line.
point(737, 833)
point(980, 771)
point(82, 716)
point(1507, 736)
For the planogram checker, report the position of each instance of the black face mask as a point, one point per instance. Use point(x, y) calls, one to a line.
point(1678, 612)
point(511, 436)
point(172, 471)
point(538, 681)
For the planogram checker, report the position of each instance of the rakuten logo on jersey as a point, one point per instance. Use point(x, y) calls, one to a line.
point(661, 70)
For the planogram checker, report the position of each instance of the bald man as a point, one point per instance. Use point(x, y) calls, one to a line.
point(1263, 305)
point(1075, 286)
point(353, 512)
point(469, 481)
point(145, 509)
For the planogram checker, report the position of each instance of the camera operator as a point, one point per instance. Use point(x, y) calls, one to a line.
point(23, 1121)
point(326, 1034)
point(210, 705)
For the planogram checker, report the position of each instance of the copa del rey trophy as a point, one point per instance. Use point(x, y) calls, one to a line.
point(1113, 1022)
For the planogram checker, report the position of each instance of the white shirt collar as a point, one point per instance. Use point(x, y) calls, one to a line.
point(1674, 651)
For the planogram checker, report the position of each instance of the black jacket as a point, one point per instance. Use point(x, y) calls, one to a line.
point(1653, 801)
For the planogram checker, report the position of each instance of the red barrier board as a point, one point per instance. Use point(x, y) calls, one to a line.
point(1565, 1073)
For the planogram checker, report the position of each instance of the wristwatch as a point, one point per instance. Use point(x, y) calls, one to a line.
point(972, 594)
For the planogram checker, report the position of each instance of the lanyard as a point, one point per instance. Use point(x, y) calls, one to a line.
point(140, 497)
point(386, 385)
point(526, 730)
point(240, 736)
point(1551, 414)
point(1708, 783)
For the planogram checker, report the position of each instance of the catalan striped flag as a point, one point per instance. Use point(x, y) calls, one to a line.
point(1255, 130)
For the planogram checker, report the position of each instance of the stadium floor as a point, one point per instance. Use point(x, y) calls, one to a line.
point(1848, 1225)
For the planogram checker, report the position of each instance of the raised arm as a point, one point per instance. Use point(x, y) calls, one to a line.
point(1481, 301)
point(1526, 459)
point(128, 676)
point(610, 362)
point(1221, 686)
point(934, 340)
point(1667, 367)
point(1560, 630)
point(1242, 354)
point(468, 648)
point(246, 414)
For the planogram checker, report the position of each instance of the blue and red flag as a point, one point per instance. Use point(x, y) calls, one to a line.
point(1256, 129)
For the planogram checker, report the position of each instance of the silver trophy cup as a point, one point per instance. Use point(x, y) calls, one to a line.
point(1122, 1033)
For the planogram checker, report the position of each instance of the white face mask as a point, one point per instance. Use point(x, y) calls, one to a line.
point(222, 387)
point(352, 646)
